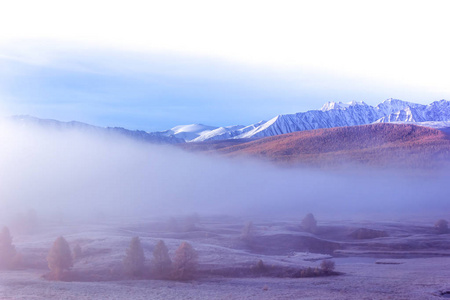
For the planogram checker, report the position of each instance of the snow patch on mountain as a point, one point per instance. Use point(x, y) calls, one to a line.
point(430, 124)
point(188, 132)
point(339, 105)
point(220, 133)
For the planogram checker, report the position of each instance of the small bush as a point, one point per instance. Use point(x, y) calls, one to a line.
point(308, 272)
point(327, 266)
point(441, 226)
point(260, 267)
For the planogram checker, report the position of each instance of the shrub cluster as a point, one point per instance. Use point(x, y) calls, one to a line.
point(441, 226)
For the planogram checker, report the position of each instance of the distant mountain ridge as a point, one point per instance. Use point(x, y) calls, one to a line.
point(332, 114)
point(139, 135)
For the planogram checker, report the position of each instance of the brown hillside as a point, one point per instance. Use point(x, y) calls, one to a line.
point(212, 145)
point(376, 144)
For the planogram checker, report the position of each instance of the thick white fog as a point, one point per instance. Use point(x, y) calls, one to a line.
point(74, 173)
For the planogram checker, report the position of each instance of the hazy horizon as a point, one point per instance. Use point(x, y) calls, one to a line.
point(153, 66)
point(77, 173)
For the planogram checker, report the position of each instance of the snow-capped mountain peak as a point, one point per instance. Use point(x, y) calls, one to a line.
point(192, 128)
point(334, 114)
point(188, 132)
point(340, 105)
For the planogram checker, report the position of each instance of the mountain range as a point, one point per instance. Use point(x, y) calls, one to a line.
point(139, 135)
point(338, 133)
point(332, 114)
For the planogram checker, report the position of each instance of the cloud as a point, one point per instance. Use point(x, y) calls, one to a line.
point(80, 174)
point(392, 41)
point(157, 91)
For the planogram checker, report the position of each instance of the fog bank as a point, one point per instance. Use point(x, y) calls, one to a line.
point(73, 173)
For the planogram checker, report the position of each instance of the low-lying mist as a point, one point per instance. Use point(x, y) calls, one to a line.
point(83, 175)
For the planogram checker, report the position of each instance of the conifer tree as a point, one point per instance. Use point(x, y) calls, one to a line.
point(134, 260)
point(7, 249)
point(161, 259)
point(185, 261)
point(59, 258)
point(309, 223)
point(248, 232)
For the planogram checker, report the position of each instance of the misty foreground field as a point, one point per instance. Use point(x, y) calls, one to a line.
point(373, 260)
point(243, 217)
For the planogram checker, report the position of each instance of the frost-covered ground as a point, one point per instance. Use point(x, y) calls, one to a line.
point(412, 262)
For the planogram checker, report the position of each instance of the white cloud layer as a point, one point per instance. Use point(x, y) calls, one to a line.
point(75, 172)
point(402, 42)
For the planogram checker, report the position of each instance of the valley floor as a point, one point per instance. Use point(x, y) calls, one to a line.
point(393, 267)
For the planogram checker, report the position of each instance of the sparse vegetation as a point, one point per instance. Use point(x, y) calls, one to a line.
point(7, 249)
point(327, 266)
point(260, 267)
point(441, 226)
point(365, 233)
point(133, 262)
point(310, 272)
point(59, 258)
point(185, 262)
point(161, 260)
point(309, 223)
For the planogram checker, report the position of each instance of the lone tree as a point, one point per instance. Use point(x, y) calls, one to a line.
point(59, 258)
point(248, 231)
point(133, 262)
point(309, 223)
point(185, 262)
point(260, 267)
point(441, 226)
point(161, 259)
point(7, 249)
